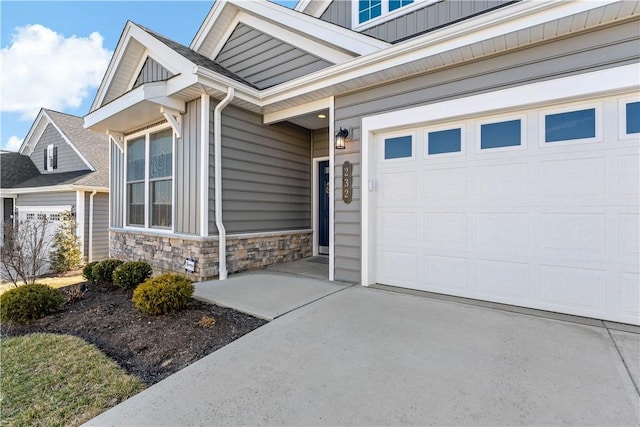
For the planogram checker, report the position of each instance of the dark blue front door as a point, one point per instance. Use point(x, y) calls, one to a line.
point(323, 206)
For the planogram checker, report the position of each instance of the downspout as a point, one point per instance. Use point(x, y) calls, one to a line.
point(90, 256)
point(217, 153)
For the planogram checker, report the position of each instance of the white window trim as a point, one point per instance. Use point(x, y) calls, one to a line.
point(383, 136)
point(598, 106)
point(147, 147)
point(622, 118)
point(499, 119)
point(50, 158)
point(385, 15)
point(451, 126)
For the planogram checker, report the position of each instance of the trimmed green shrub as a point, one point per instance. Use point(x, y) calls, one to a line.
point(29, 302)
point(131, 274)
point(163, 294)
point(103, 271)
point(87, 271)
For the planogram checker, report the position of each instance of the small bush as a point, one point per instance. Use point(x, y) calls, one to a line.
point(103, 271)
point(75, 293)
point(163, 294)
point(131, 274)
point(207, 322)
point(87, 271)
point(29, 302)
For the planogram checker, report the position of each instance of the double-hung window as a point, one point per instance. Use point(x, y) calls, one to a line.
point(150, 180)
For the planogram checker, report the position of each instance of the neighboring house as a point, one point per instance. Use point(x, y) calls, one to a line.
point(492, 147)
point(60, 166)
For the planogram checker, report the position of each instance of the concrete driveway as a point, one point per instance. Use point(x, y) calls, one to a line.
point(363, 356)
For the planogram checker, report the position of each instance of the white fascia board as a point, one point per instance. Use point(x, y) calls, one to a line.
point(68, 141)
point(498, 23)
point(608, 81)
point(314, 27)
point(112, 67)
point(266, 16)
point(313, 8)
point(55, 189)
point(221, 83)
point(302, 5)
point(36, 131)
point(299, 110)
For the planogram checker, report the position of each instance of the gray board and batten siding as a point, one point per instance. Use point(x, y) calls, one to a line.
point(266, 174)
point(100, 225)
point(415, 22)
point(265, 61)
point(612, 46)
point(152, 71)
point(187, 179)
point(68, 160)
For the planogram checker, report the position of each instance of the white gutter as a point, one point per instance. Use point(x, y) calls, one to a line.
point(217, 152)
point(90, 250)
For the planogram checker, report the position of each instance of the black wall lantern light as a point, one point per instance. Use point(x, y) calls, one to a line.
point(341, 137)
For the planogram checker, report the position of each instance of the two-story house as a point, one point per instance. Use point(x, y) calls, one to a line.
point(483, 149)
point(60, 166)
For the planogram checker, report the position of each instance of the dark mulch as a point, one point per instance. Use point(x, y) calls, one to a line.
point(149, 347)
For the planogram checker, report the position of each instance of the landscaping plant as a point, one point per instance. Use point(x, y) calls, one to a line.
point(163, 294)
point(29, 302)
point(103, 271)
point(131, 274)
point(66, 254)
point(87, 271)
point(23, 254)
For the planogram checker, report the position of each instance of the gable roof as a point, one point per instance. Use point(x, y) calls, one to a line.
point(328, 41)
point(15, 168)
point(91, 147)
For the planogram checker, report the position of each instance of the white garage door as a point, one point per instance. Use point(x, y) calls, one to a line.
point(536, 208)
point(49, 217)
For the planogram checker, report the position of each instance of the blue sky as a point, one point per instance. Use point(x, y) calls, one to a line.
point(54, 53)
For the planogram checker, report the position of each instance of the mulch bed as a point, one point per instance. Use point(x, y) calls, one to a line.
point(149, 347)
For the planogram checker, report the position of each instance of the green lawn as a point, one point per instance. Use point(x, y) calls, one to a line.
point(54, 282)
point(58, 380)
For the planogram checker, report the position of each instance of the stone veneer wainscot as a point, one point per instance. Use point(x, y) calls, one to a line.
point(167, 252)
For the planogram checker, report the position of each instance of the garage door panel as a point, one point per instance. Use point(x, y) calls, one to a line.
point(561, 179)
point(444, 185)
point(398, 228)
point(397, 268)
point(397, 187)
point(503, 232)
point(567, 288)
point(629, 294)
point(503, 281)
point(445, 230)
point(629, 235)
point(444, 273)
point(567, 234)
point(628, 179)
point(505, 183)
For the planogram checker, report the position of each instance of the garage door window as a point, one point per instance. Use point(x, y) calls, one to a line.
point(632, 112)
point(398, 148)
point(571, 125)
point(444, 141)
point(501, 134)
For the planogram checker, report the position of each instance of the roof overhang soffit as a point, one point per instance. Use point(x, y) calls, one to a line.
point(327, 41)
point(138, 107)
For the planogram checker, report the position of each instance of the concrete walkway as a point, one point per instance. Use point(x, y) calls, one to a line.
point(264, 294)
point(363, 356)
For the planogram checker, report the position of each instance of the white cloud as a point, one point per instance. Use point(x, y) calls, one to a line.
point(41, 68)
point(13, 144)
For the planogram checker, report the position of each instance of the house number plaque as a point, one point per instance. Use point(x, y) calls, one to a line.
point(346, 182)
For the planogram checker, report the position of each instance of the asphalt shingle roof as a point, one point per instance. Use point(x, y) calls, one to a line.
point(196, 58)
point(15, 168)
